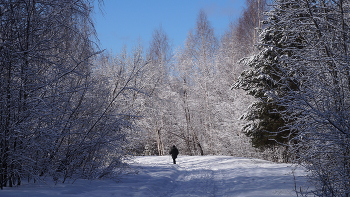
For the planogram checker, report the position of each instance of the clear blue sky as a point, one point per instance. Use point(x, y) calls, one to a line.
point(126, 21)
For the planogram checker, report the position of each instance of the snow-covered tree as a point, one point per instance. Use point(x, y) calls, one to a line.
point(54, 117)
point(261, 124)
point(156, 86)
point(234, 102)
point(263, 76)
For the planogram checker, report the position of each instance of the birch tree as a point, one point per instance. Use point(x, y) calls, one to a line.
point(160, 55)
point(202, 46)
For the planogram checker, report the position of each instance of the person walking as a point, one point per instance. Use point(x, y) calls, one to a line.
point(174, 152)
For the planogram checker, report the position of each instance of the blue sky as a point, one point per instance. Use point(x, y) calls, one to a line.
point(124, 22)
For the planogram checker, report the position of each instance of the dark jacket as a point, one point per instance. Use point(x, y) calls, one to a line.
point(174, 152)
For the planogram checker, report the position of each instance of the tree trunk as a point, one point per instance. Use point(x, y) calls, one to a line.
point(159, 143)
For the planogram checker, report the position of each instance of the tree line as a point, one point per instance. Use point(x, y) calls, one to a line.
point(71, 111)
point(183, 96)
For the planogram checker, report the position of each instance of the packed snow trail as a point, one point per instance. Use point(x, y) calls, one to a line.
point(191, 176)
point(216, 176)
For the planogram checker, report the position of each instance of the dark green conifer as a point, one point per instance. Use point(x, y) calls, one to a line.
point(265, 124)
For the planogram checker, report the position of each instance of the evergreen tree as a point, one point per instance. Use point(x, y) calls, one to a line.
point(266, 126)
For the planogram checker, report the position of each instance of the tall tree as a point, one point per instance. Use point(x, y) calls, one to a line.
point(185, 91)
point(264, 121)
point(202, 47)
point(235, 101)
point(160, 55)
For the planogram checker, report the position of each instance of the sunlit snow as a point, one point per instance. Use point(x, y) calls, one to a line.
point(191, 176)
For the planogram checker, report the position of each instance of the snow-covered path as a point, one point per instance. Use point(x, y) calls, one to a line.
point(192, 176)
point(215, 176)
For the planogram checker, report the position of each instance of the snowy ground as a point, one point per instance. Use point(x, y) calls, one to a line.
point(192, 176)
